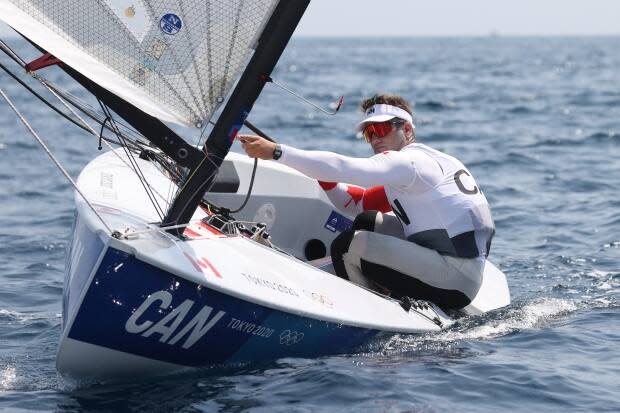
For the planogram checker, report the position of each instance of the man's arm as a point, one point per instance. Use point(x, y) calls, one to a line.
point(388, 168)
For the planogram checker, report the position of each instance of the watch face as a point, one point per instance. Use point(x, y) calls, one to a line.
point(277, 153)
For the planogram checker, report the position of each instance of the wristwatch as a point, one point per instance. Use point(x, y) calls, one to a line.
point(277, 152)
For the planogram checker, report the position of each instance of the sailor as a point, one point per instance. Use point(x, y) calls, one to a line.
point(423, 227)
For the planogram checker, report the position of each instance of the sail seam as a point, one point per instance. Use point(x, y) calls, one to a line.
point(196, 71)
point(167, 82)
point(232, 46)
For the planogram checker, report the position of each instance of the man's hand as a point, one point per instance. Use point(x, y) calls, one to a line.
point(257, 147)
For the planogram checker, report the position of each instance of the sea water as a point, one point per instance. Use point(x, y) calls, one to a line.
point(536, 120)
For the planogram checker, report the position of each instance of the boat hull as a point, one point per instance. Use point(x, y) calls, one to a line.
point(167, 322)
point(147, 303)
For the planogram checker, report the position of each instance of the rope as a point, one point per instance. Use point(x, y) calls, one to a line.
point(10, 53)
point(84, 107)
point(251, 186)
point(122, 139)
point(54, 108)
point(56, 162)
point(134, 164)
point(249, 194)
point(55, 91)
point(65, 99)
point(111, 124)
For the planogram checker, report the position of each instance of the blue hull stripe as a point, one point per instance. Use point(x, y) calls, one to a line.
point(197, 326)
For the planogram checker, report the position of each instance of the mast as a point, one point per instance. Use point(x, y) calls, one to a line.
point(271, 44)
point(149, 83)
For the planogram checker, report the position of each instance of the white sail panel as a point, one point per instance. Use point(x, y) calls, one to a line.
point(175, 60)
point(134, 16)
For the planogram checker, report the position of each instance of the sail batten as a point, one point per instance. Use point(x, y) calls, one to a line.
point(175, 60)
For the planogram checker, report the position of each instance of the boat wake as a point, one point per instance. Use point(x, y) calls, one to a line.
point(518, 317)
point(532, 314)
point(598, 292)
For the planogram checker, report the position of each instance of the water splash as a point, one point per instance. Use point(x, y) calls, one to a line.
point(531, 315)
point(8, 377)
point(23, 318)
point(515, 318)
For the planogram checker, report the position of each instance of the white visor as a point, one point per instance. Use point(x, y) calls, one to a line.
point(383, 113)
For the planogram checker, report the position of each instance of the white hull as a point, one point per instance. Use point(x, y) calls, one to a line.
point(154, 304)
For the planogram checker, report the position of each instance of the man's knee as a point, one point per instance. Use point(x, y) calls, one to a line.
point(340, 244)
point(375, 221)
point(365, 221)
point(349, 246)
point(339, 247)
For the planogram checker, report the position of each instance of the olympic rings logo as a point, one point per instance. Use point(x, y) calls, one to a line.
point(288, 337)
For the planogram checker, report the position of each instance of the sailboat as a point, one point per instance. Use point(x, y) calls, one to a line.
point(160, 276)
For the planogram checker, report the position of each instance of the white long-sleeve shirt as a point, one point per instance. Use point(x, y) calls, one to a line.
point(435, 197)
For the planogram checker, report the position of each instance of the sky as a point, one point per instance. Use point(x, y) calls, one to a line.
point(460, 17)
point(354, 18)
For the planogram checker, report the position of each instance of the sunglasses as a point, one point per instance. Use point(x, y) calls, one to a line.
point(380, 129)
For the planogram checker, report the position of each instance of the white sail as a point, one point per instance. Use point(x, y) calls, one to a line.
point(175, 60)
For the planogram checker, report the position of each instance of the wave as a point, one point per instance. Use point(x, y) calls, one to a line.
point(25, 318)
point(594, 101)
point(586, 185)
point(520, 110)
point(607, 136)
point(556, 142)
point(22, 145)
point(31, 193)
point(435, 105)
point(520, 158)
point(490, 326)
point(604, 136)
point(530, 315)
point(613, 244)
